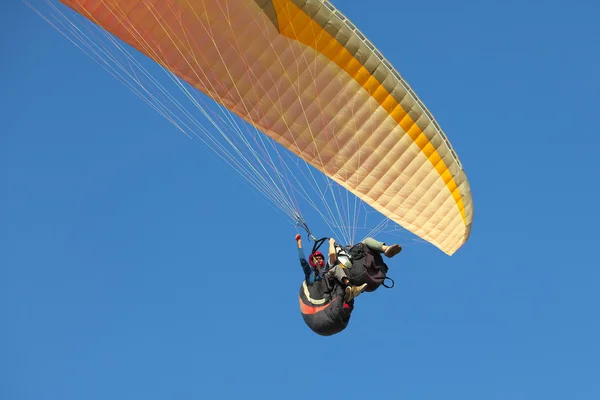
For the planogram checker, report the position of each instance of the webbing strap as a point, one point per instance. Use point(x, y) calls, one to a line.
point(383, 283)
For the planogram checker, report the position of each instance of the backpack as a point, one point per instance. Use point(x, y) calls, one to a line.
point(367, 267)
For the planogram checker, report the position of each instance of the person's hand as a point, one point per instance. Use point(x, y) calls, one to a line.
point(331, 241)
point(299, 240)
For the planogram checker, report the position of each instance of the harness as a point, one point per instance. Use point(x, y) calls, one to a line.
point(366, 266)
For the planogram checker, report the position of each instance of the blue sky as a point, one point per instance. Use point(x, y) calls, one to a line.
point(135, 265)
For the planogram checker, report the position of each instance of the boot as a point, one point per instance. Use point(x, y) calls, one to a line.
point(353, 292)
point(391, 251)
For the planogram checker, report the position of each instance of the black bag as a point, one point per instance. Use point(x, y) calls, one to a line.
point(367, 267)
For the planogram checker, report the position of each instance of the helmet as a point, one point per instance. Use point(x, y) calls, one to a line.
point(311, 261)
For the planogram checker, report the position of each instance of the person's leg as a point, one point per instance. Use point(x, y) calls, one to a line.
point(351, 291)
point(381, 247)
point(373, 244)
point(339, 274)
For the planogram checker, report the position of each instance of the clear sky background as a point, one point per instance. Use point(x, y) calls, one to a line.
point(133, 265)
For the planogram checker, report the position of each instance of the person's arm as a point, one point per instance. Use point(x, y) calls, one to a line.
point(308, 271)
point(332, 252)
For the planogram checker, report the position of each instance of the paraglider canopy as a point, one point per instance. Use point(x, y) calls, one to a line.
point(303, 75)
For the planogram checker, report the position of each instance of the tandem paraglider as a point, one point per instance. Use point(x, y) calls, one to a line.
point(331, 284)
point(293, 97)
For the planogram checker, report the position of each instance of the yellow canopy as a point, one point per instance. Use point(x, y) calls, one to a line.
point(301, 73)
